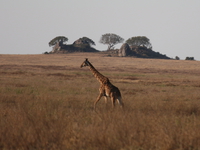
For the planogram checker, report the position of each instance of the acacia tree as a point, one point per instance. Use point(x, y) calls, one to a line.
point(139, 41)
point(88, 41)
point(111, 39)
point(57, 39)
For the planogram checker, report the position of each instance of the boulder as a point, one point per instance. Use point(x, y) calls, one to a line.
point(124, 50)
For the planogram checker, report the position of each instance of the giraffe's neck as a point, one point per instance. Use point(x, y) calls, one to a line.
point(102, 79)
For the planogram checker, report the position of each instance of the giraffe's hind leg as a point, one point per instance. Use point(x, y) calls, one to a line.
point(119, 99)
point(113, 101)
point(106, 99)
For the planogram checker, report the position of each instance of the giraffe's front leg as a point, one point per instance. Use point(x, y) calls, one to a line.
point(98, 98)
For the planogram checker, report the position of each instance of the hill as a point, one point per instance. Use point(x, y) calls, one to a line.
point(78, 46)
point(60, 48)
point(143, 52)
point(140, 52)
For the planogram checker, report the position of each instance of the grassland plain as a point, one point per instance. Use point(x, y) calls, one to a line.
point(46, 102)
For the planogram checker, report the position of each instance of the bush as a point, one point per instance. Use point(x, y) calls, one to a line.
point(177, 58)
point(46, 53)
point(189, 58)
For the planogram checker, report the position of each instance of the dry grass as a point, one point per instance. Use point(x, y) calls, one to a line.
point(46, 102)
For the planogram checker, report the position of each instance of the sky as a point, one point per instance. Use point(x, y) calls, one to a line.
point(173, 26)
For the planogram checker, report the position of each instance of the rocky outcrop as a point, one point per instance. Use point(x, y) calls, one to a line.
point(57, 47)
point(79, 45)
point(124, 50)
point(139, 51)
point(143, 52)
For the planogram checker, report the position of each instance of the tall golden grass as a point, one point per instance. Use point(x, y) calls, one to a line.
point(46, 102)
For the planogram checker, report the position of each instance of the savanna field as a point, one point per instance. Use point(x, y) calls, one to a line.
point(46, 103)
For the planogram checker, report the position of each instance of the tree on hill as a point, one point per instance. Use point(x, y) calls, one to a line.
point(139, 41)
point(189, 58)
point(84, 41)
point(88, 40)
point(58, 39)
point(111, 39)
point(177, 58)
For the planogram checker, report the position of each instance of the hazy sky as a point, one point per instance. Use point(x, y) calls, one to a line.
point(173, 26)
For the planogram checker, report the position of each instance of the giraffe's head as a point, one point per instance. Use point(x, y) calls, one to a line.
point(85, 63)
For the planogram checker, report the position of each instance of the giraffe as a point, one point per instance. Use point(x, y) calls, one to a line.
point(107, 89)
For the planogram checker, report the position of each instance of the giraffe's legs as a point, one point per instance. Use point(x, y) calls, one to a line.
point(106, 99)
point(113, 101)
point(98, 98)
point(119, 99)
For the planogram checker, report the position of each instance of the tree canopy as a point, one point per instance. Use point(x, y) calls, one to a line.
point(111, 39)
point(58, 39)
point(88, 41)
point(139, 41)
